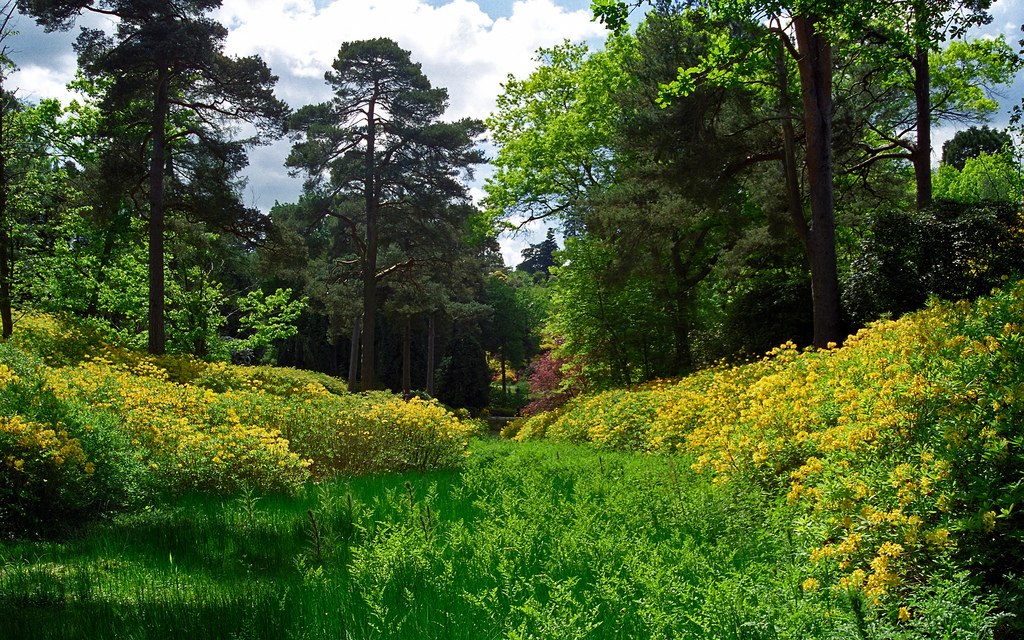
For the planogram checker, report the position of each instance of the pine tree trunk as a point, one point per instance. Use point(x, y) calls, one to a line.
point(794, 200)
point(6, 315)
point(407, 357)
point(370, 261)
point(157, 336)
point(429, 386)
point(815, 67)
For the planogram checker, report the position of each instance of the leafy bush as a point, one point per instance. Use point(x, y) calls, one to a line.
point(616, 419)
point(102, 426)
point(553, 381)
point(62, 463)
point(193, 438)
point(57, 340)
point(375, 432)
point(954, 250)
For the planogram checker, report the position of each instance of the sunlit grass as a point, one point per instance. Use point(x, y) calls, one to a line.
point(539, 540)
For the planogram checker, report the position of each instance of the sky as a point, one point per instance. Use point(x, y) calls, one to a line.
point(467, 46)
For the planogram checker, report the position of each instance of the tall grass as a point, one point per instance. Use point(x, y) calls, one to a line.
point(540, 540)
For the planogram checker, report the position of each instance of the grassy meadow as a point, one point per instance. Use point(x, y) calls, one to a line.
point(864, 491)
point(540, 540)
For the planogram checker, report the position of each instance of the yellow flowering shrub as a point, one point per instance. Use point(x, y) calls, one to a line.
point(248, 434)
point(191, 437)
point(174, 423)
point(615, 419)
point(57, 341)
point(372, 432)
point(60, 463)
point(901, 447)
point(30, 447)
point(418, 434)
point(536, 425)
point(40, 469)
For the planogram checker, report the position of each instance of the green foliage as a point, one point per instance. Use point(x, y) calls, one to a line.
point(954, 250)
point(539, 258)
point(552, 131)
point(194, 318)
point(964, 74)
point(615, 327)
point(984, 178)
point(539, 540)
point(766, 310)
point(267, 318)
point(901, 451)
point(464, 377)
point(971, 143)
point(508, 332)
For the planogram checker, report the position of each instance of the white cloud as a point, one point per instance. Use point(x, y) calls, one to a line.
point(33, 82)
point(460, 47)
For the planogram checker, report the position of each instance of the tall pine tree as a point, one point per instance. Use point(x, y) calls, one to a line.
point(166, 59)
point(379, 145)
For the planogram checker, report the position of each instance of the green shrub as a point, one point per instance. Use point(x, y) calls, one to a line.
point(62, 463)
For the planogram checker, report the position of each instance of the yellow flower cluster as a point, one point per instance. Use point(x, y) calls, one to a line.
point(375, 432)
point(615, 419)
point(28, 446)
point(197, 437)
point(192, 436)
point(93, 428)
point(7, 376)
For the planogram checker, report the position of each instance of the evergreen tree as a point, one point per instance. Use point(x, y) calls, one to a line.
point(971, 143)
point(166, 65)
point(372, 152)
point(539, 258)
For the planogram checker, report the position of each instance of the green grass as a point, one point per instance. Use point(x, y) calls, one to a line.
point(539, 540)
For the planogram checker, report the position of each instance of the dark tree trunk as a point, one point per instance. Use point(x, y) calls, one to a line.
point(370, 261)
point(157, 336)
point(681, 310)
point(815, 66)
point(353, 356)
point(922, 153)
point(429, 386)
point(109, 238)
point(794, 199)
point(6, 316)
point(407, 357)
